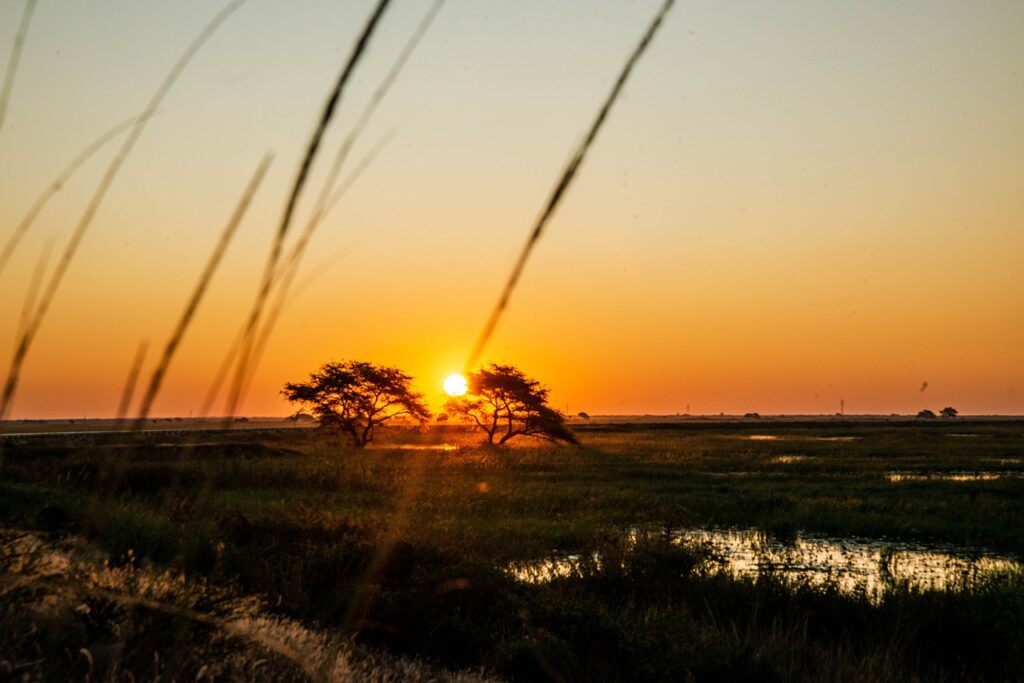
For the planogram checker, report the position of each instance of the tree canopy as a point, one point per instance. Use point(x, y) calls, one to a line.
point(354, 397)
point(504, 403)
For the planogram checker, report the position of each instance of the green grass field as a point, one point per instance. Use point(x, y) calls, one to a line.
point(405, 547)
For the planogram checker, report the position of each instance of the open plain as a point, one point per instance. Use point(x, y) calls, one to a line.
point(750, 549)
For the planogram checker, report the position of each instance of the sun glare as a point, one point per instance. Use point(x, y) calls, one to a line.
point(455, 385)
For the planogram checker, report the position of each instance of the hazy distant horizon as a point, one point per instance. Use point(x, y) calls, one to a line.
point(593, 417)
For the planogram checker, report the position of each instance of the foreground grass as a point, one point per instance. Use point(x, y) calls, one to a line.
point(403, 549)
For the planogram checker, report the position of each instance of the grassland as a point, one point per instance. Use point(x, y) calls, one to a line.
point(403, 547)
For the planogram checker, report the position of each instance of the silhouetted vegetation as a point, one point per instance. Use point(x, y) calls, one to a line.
point(355, 398)
point(38, 314)
point(565, 180)
point(504, 403)
point(303, 523)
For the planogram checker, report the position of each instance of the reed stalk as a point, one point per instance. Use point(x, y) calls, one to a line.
point(12, 62)
point(568, 174)
point(56, 186)
point(200, 289)
point(124, 405)
point(270, 268)
point(39, 314)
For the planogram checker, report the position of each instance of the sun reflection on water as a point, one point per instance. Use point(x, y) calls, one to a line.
point(951, 476)
point(852, 565)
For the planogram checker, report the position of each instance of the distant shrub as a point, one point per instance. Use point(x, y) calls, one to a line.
point(926, 414)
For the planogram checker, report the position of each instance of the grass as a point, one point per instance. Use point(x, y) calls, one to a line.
point(564, 182)
point(270, 272)
point(316, 527)
point(38, 314)
point(403, 550)
point(12, 62)
point(200, 290)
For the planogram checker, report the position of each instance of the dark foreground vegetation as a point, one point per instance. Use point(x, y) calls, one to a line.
point(402, 549)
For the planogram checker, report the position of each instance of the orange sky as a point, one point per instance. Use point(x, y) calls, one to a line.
point(793, 204)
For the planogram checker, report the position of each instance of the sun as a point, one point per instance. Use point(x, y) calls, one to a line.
point(455, 385)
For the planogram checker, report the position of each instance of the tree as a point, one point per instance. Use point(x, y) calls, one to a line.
point(505, 403)
point(949, 411)
point(355, 397)
point(926, 414)
point(583, 415)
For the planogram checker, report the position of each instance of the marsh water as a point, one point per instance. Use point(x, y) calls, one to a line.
point(852, 565)
point(897, 477)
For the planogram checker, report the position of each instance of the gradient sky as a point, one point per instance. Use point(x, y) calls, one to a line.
point(793, 203)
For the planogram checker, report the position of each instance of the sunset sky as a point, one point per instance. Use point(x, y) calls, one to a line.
point(793, 203)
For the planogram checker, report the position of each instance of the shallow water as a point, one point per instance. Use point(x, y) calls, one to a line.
point(851, 564)
point(415, 447)
point(897, 477)
point(790, 459)
point(773, 437)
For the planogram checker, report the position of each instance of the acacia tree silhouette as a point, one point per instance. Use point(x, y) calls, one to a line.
point(505, 403)
point(355, 397)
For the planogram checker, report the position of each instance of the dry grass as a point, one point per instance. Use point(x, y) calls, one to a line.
point(56, 186)
point(271, 266)
point(12, 63)
point(201, 287)
point(60, 586)
point(124, 405)
point(25, 340)
point(563, 184)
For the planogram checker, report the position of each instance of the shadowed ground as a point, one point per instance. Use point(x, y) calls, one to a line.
point(406, 546)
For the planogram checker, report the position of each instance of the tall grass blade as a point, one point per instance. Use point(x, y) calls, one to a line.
point(56, 186)
point(12, 63)
point(222, 372)
point(129, 383)
point(34, 285)
point(290, 266)
point(326, 199)
point(563, 184)
point(320, 208)
point(270, 268)
point(324, 203)
point(321, 269)
point(286, 273)
point(25, 342)
point(200, 289)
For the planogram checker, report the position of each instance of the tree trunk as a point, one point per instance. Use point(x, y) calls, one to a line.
point(368, 432)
